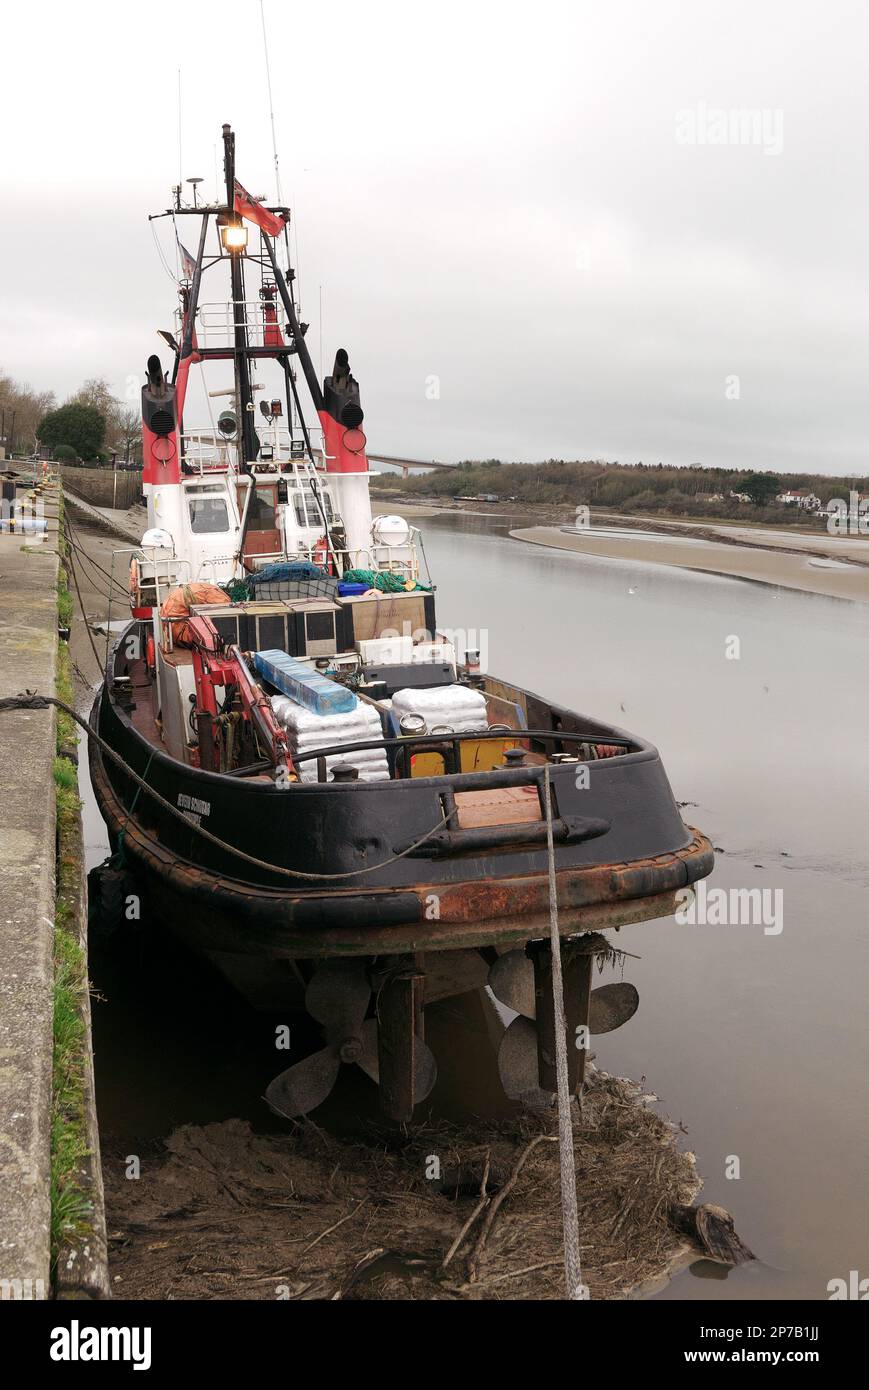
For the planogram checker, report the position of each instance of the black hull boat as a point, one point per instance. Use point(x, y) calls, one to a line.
point(622, 850)
point(317, 788)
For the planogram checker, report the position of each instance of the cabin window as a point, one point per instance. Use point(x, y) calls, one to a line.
point(262, 510)
point(207, 514)
point(306, 509)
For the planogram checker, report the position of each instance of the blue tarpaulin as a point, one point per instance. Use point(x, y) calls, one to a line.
point(304, 685)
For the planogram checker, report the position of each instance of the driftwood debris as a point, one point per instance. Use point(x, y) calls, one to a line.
point(224, 1212)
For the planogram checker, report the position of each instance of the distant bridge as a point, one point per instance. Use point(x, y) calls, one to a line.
point(406, 464)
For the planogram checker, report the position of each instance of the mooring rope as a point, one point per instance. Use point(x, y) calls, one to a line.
point(570, 1217)
point(32, 700)
point(72, 570)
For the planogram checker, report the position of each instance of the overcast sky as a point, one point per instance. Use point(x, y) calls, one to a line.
point(554, 210)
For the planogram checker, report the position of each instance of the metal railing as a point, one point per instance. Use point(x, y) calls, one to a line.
point(407, 747)
point(380, 559)
point(217, 321)
point(207, 450)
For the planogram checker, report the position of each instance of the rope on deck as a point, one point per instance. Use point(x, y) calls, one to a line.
point(570, 1218)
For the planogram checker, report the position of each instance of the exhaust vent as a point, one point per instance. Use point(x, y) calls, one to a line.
point(162, 422)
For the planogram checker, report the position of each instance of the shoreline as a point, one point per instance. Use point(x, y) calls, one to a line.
point(749, 535)
point(783, 559)
point(778, 566)
point(793, 559)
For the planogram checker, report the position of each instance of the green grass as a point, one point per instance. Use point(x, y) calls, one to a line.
point(70, 1207)
point(64, 600)
point(62, 547)
point(66, 788)
point(66, 727)
point(64, 597)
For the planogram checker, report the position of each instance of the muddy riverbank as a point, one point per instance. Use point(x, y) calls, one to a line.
point(806, 559)
point(808, 569)
point(439, 1212)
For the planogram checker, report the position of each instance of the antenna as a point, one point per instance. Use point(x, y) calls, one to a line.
point(321, 332)
point(180, 149)
point(271, 103)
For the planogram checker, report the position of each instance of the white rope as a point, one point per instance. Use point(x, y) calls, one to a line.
point(164, 262)
point(570, 1217)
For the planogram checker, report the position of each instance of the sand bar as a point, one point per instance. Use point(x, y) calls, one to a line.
point(780, 566)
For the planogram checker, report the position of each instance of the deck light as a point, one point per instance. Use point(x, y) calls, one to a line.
point(234, 237)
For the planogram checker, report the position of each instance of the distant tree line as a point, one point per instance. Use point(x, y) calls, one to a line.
point(90, 426)
point(638, 487)
point(21, 409)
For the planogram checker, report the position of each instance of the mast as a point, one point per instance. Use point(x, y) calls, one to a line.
point(248, 446)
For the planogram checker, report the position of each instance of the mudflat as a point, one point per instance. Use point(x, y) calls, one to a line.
point(778, 562)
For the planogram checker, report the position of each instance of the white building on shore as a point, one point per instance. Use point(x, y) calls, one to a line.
point(800, 498)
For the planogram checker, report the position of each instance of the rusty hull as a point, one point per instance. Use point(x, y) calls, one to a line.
point(208, 909)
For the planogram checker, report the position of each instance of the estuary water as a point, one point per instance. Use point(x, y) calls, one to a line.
point(756, 1040)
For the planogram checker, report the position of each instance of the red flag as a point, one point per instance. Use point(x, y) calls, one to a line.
point(255, 212)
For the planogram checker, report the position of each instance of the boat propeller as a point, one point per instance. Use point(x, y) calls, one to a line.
point(338, 996)
point(523, 982)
